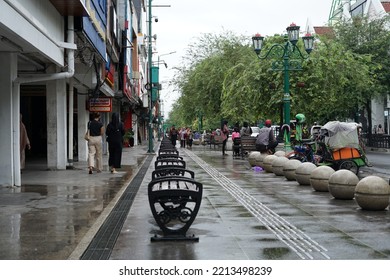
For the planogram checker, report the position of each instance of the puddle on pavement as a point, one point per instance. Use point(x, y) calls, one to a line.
point(275, 253)
point(41, 189)
point(61, 213)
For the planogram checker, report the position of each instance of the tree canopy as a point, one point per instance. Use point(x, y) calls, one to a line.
point(222, 78)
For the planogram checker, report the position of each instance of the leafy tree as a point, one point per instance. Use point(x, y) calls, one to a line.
point(334, 79)
point(368, 36)
point(200, 80)
point(222, 78)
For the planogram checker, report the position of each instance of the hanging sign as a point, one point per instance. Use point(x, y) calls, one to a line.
point(102, 104)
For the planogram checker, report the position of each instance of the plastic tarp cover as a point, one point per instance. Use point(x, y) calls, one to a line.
point(341, 134)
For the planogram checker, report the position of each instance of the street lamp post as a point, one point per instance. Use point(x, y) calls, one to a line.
point(159, 107)
point(150, 130)
point(286, 57)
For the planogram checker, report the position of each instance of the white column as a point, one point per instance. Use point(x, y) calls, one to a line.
point(82, 121)
point(56, 124)
point(9, 116)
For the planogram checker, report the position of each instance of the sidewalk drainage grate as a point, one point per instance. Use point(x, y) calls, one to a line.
point(294, 238)
point(103, 242)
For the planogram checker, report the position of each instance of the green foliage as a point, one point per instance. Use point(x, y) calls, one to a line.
point(128, 134)
point(222, 78)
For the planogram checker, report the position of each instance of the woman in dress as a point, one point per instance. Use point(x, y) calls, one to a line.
point(115, 131)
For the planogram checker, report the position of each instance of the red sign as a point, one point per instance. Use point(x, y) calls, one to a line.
point(102, 104)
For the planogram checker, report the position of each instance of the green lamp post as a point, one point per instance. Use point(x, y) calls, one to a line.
point(159, 128)
point(286, 57)
point(150, 129)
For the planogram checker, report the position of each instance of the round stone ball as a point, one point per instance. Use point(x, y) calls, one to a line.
point(303, 172)
point(267, 161)
point(289, 169)
point(259, 159)
point(280, 153)
point(278, 165)
point(252, 158)
point(319, 178)
point(342, 184)
point(372, 193)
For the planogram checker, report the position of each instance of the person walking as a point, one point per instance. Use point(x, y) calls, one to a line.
point(190, 137)
point(183, 137)
point(225, 135)
point(96, 131)
point(173, 135)
point(265, 140)
point(24, 142)
point(115, 132)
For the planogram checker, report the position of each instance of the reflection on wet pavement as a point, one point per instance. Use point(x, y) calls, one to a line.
point(48, 221)
point(239, 210)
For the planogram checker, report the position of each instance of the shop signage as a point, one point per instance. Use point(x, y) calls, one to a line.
point(102, 104)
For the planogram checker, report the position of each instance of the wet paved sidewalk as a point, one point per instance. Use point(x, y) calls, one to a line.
point(54, 211)
point(244, 215)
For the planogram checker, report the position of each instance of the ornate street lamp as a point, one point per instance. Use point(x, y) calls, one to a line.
point(286, 57)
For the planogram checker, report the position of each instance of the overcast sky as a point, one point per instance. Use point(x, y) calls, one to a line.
point(186, 20)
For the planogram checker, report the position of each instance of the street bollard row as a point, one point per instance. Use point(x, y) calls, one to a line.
point(370, 193)
point(174, 195)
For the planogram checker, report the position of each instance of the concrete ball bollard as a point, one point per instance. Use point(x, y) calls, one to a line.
point(280, 153)
point(303, 172)
point(278, 165)
point(372, 193)
point(319, 178)
point(259, 159)
point(267, 161)
point(252, 158)
point(342, 184)
point(289, 169)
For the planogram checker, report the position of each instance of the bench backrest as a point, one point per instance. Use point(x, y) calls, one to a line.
point(218, 139)
point(168, 151)
point(248, 141)
point(172, 171)
point(167, 162)
point(174, 156)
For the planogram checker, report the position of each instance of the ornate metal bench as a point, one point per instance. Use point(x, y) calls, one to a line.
point(174, 202)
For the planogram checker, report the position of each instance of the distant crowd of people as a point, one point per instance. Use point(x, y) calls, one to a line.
point(265, 139)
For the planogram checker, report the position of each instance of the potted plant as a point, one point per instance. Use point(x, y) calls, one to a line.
point(128, 138)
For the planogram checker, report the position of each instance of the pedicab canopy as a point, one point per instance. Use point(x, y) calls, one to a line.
point(341, 134)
